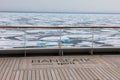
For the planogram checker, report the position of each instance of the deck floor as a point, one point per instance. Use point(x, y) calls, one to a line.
point(95, 67)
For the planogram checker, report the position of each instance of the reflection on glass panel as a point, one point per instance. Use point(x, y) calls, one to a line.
point(12, 31)
point(106, 37)
point(42, 38)
point(11, 38)
point(76, 37)
point(50, 38)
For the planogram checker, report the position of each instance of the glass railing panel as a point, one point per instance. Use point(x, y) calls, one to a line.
point(59, 37)
point(107, 37)
point(76, 37)
point(11, 44)
point(42, 38)
point(11, 38)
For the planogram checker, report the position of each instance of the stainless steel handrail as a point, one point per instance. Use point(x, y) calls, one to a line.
point(59, 27)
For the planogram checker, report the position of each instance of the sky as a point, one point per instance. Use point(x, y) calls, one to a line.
point(105, 6)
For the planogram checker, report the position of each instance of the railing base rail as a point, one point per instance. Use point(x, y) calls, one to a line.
point(61, 52)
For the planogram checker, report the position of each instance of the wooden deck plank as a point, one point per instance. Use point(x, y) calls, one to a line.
point(105, 74)
point(109, 73)
point(53, 75)
point(41, 75)
point(81, 75)
point(17, 64)
point(100, 74)
point(115, 74)
point(13, 75)
point(91, 74)
point(33, 75)
point(21, 75)
point(45, 74)
point(49, 74)
point(115, 71)
point(76, 74)
point(29, 75)
point(65, 74)
point(87, 74)
point(17, 75)
point(84, 73)
point(12, 69)
point(25, 77)
point(97, 74)
point(57, 74)
point(7, 70)
point(1, 62)
point(37, 75)
point(3, 65)
point(3, 70)
point(62, 76)
point(72, 74)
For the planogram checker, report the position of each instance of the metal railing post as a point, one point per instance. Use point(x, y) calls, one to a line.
point(60, 44)
point(92, 49)
point(24, 42)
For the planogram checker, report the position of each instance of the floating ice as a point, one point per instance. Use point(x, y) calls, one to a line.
point(49, 37)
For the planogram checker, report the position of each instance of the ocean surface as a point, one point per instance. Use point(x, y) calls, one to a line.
point(59, 19)
point(49, 38)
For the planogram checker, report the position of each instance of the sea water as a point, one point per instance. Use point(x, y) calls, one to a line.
point(53, 38)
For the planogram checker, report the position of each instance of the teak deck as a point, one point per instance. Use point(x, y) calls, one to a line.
point(95, 67)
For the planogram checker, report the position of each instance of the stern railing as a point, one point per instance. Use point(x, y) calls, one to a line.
point(61, 38)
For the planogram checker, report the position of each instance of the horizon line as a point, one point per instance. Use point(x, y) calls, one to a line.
point(61, 12)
